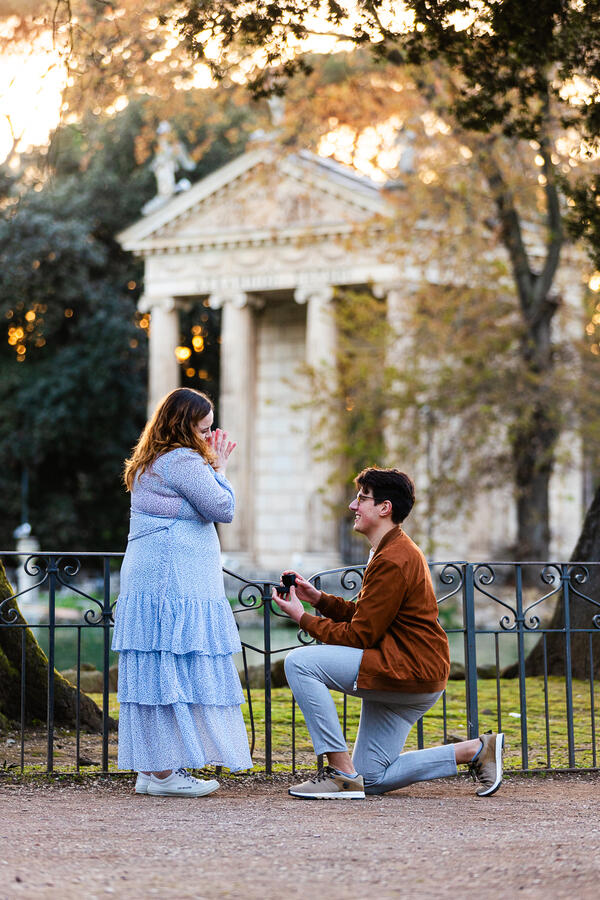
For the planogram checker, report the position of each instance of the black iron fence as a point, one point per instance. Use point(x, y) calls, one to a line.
point(523, 636)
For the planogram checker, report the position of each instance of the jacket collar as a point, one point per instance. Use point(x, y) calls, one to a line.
point(391, 535)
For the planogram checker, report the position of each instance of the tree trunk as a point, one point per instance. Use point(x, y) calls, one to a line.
point(536, 430)
point(581, 612)
point(533, 446)
point(36, 675)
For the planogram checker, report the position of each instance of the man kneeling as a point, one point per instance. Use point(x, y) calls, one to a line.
point(387, 648)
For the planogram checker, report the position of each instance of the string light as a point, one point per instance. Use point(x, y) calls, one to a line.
point(182, 353)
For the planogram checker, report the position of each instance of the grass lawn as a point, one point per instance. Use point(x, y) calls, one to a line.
point(538, 730)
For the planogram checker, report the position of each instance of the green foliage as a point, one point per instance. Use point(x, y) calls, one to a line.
point(73, 360)
point(506, 58)
point(74, 404)
point(509, 67)
point(583, 222)
point(487, 371)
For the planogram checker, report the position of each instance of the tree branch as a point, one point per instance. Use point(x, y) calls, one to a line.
point(371, 8)
point(14, 141)
point(340, 35)
point(512, 235)
point(544, 280)
point(69, 18)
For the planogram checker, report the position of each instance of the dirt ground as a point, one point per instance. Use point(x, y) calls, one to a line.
point(537, 837)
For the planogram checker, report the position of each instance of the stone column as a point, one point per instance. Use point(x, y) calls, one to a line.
point(236, 411)
point(398, 317)
point(399, 311)
point(321, 548)
point(163, 368)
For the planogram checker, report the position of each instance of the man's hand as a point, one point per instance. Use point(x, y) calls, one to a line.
point(292, 606)
point(305, 591)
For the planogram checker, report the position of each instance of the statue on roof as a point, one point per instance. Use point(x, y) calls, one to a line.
point(406, 141)
point(276, 106)
point(170, 157)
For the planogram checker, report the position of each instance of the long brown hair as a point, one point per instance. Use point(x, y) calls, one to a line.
point(172, 425)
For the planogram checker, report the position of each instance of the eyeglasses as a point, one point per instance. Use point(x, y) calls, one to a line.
point(360, 498)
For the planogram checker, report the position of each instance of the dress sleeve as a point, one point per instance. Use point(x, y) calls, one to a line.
point(207, 491)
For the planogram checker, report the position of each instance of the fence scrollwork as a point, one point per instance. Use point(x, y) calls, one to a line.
point(515, 608)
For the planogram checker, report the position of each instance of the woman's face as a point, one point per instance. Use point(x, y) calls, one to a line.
point(204, 425)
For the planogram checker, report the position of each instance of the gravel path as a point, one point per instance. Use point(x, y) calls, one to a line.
point(537, 837)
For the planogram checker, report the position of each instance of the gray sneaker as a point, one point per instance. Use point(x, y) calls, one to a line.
point(487, 768)
point(330, 785)
point(141, 784)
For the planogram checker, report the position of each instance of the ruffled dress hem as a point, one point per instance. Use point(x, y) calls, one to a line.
point(154, 738)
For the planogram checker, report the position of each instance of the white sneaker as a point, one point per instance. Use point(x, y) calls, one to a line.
point(180, 784)
point(141, 784)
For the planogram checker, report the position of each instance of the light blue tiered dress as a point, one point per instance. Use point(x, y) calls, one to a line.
point(179, 691)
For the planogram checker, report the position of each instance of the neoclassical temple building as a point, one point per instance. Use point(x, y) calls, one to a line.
point(266, 239)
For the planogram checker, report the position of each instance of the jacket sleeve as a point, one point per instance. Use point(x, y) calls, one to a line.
point(383, 592)
point(209, 493)
point(336, 608)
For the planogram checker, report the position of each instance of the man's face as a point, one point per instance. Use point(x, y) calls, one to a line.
point(366, 512)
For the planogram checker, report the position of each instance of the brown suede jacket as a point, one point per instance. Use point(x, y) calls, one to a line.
point(394, 620)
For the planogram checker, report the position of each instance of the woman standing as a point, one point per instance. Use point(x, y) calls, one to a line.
point(179, 691)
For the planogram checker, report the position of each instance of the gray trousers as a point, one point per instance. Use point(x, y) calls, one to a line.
point(385, 720)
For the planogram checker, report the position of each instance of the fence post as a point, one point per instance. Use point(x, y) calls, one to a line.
point(106, 622)
point(521, 651)
point(321, 756)
point(23, 694)
point(52, 571)
point(566, 581)
point(470, 652)
point(267, 669)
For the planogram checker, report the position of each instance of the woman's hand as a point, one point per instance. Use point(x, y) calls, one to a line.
point(291, 606)
point(223, 449)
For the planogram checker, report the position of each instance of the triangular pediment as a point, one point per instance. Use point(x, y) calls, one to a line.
point(259, 194)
